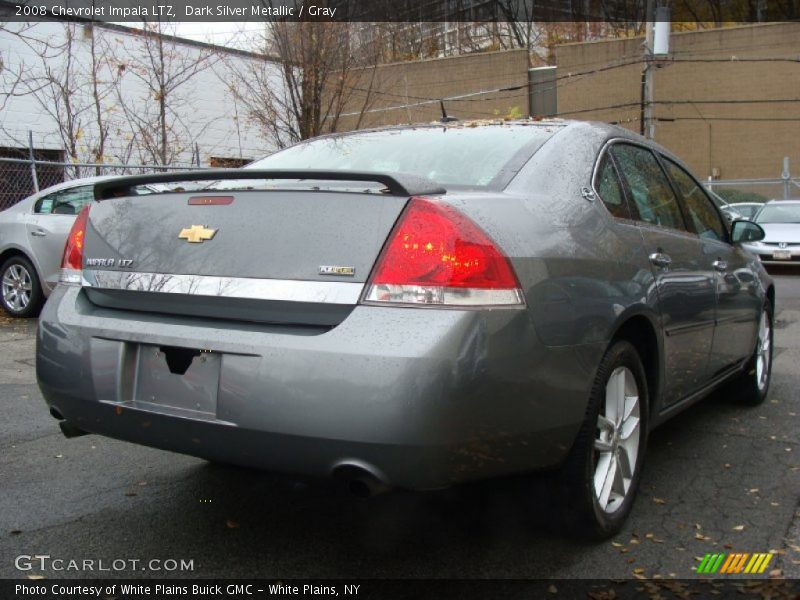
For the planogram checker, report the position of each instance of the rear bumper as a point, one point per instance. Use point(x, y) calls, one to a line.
point(421, 398)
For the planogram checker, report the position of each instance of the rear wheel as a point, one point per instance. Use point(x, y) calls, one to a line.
point(20, 291)
point(599, 480)
point(753, 385)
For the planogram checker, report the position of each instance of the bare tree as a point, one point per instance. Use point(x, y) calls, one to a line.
point(72, 85)
point(161, 71)
point(14, 74)
point(312, 74)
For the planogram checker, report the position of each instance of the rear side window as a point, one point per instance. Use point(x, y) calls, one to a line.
point(44, 205)
point(65, 202)
point(703, 217)
point(610, 189)
point(651, 192)
point(70, 202)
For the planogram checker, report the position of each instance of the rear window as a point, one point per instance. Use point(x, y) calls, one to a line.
point(466, 156)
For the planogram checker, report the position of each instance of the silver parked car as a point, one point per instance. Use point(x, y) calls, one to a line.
point(780, 220)
point(746, 210)
point(413, 307)
point(32, 237)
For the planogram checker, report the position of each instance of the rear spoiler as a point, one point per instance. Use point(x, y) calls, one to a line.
point(397, 184)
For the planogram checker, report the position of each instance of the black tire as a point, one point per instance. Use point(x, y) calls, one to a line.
point(581, 508)
point(16, 276)
point(752, 387)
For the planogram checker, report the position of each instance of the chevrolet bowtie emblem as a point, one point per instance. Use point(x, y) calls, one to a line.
point(196, 234)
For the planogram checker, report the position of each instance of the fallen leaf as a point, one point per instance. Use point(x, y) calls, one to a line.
point(649, 536)
point(232, 524)
point(659, 500)
point(775, 573)
point(739, 528)
point(552, 589)
point(638, 570)
point(59, 456)
point(752, 491)
point(727, 465)
point(616, 544)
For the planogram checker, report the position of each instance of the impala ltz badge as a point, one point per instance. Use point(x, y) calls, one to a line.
point(330, 270)
point(196, 234)
point(122, 263)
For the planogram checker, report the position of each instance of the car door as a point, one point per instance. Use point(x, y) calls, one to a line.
point(49, 225)
point(735, 280)
point(684, 283)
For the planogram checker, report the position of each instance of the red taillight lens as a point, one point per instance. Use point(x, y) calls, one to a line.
point(436, 255)
point(72, 262)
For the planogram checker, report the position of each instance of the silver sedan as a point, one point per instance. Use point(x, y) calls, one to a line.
point(32, 237)
point(413, 307)
point(780, 220)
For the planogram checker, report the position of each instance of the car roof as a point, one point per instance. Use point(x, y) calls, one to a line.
point(600, 128)
point(789, 201)
point(72, 183)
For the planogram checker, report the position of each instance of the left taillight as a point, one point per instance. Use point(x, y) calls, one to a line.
point(72, 262)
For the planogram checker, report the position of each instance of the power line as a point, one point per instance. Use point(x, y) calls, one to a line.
point(738, 119)
point(473, 96)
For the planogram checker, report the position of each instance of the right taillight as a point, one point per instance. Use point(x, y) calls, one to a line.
point(437, 256)
point(72, 262)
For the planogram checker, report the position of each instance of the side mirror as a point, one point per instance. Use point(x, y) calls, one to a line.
point(746, 231)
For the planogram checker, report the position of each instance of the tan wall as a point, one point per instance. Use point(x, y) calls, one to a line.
point(701, 133)
point(405, 83)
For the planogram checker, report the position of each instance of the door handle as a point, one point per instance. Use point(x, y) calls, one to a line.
point(660, 259)
point(38, 233)
point(720, 265)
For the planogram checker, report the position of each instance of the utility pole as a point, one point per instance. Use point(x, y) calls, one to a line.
point(656, 48)
point(646, 124)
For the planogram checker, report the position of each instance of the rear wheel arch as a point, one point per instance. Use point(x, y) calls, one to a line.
point(640, 332)
point(21, 290)
point(15, 251)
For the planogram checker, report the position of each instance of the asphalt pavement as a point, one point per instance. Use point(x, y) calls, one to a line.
point(718, 478)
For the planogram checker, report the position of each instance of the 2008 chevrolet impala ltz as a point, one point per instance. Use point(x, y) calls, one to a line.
point(414, 307)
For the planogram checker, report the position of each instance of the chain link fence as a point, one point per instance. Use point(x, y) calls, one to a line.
point(755, 190)
point(19, 177)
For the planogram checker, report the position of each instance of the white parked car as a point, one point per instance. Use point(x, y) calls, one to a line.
point(32, 237)
point(780, 220)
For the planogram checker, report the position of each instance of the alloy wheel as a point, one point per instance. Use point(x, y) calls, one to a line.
point(17, 287)
point(763, 351)
point(617, 440)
